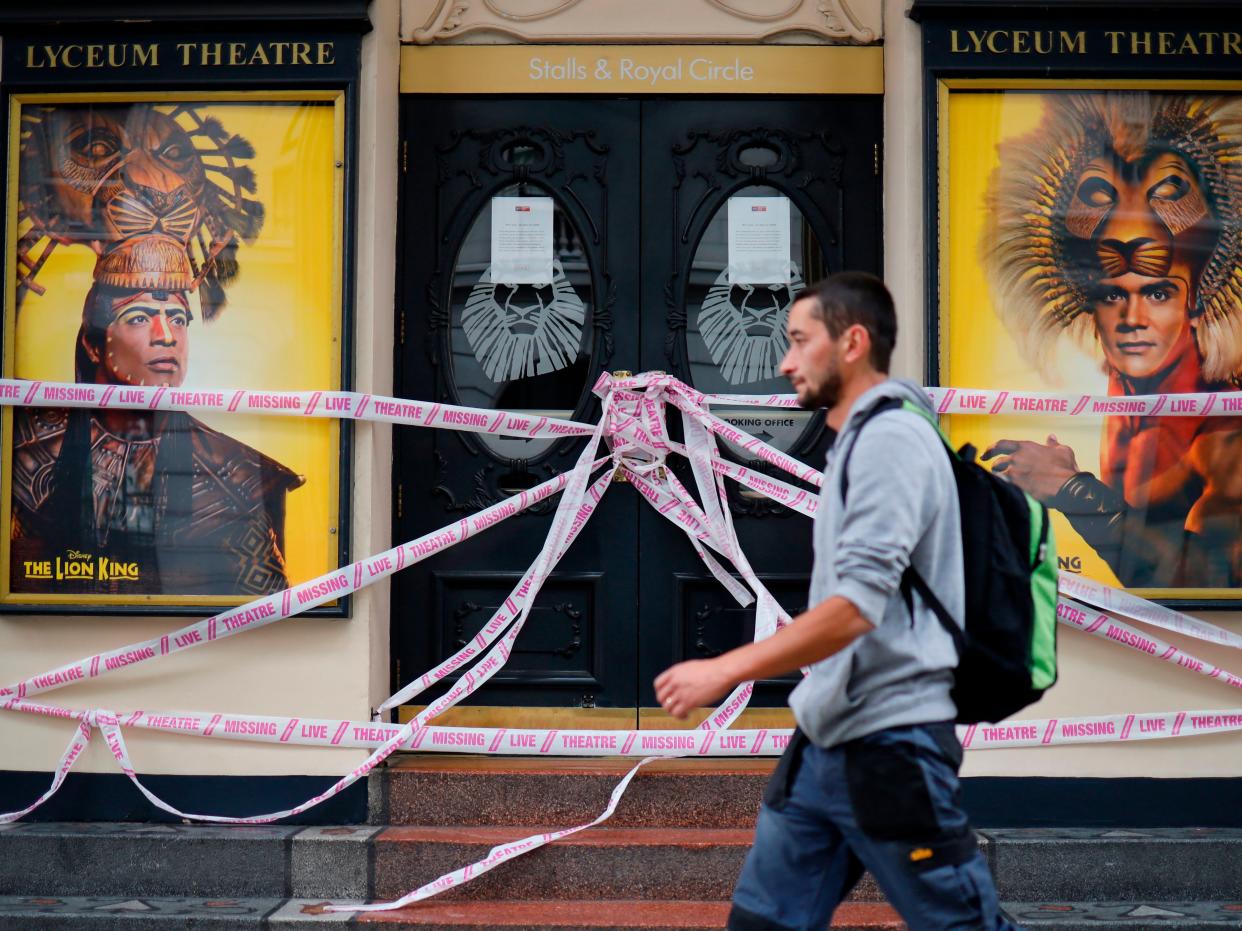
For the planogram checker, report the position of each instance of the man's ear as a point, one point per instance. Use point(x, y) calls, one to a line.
point(857, 343)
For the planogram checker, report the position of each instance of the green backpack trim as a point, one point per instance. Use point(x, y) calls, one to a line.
point(928, 416)
point(1043, 655)
point(1044, 597)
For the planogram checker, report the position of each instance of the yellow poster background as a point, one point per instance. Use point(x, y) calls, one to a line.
point(280, 329)
point(976, 350)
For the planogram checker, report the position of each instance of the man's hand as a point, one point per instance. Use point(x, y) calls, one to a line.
point(813, 635)
point(681, 688)
point(1037, 468)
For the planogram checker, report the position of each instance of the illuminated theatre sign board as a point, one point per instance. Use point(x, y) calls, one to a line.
point(193, 240)
point(1087, 232)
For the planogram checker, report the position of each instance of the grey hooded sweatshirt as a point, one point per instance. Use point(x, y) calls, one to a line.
point(901, 508)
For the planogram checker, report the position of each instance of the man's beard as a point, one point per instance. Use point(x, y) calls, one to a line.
point(827, 395)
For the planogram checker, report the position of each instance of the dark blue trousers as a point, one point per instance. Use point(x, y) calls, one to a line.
point(889, 803)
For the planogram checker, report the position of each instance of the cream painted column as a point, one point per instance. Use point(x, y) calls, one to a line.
point(904, 246)
point(375, 275)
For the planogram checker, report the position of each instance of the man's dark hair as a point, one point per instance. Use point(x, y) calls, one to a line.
point(847, 298)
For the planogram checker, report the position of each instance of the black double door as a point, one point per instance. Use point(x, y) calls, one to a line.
point(639, 192)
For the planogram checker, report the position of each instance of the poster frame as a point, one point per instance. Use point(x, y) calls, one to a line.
point(342, 96)
point(937, 221)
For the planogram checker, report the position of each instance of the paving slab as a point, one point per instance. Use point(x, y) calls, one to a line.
point(1110, 864)
point(127, 913)
point(310, 914)
point(105, 858)
point(332, 861)
point(1107, 916)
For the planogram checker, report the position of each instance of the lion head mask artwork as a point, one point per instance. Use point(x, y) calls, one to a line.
point(520, 330)
point(157, 192)
point(743, 326)
point(1118, 183)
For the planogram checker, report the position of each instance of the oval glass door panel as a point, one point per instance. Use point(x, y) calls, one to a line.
point(521, 313)
point(755, 254)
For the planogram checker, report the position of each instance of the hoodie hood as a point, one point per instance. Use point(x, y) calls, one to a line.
point(901, 388)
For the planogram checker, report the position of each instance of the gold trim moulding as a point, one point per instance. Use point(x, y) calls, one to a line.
point(642, 69)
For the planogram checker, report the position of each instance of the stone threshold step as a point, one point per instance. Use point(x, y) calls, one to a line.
point(361, 861)
point(174, 914)
point(1115, 865)
point(120, 858)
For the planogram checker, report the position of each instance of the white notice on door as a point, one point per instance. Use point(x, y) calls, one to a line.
point(759, 240)
point(522, 240)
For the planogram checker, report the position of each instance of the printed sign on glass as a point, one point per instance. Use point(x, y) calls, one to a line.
point(759, 240)
point(522, 248)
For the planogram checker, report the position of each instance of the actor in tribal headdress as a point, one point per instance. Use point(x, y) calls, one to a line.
point(198, 512)
point(1118, 223)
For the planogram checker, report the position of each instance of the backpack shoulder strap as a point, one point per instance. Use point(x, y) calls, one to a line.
point(910, 579)
point(884, 404)
point(880, 407)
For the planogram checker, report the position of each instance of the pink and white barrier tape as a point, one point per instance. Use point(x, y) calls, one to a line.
point(501, 741)
point(350, 405)
point(1104, 728)
point(358, 406)
point(1118, 601)
point(291, 601)
point(1076, 614)
point(983, 401)
point(635, 427)
point(977, 401)
point(633, 424)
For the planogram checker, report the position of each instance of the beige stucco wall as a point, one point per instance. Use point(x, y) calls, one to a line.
point(1097, 676)
point(340, 667)
point(303, 667)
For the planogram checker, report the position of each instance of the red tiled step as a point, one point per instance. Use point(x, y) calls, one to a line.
point(598, 863)
point(596, 915)
point(472, 790)
point(603, 862)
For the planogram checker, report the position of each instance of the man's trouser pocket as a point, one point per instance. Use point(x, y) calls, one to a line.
point(891, 796)
point(776, 793)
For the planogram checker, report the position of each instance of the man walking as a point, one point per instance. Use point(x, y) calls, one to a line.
point(870, 777)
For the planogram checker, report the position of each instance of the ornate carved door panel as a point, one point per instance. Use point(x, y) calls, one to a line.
point(641, 196)
point(822, 154)
point(469, 340)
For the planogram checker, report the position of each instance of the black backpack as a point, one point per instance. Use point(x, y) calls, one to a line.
point(1007, 655)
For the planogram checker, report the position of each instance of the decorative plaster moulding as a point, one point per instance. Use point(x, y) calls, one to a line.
point(813, 22)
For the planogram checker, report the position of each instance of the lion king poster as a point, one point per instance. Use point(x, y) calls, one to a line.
point(180, 242)
point(1091, 242)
